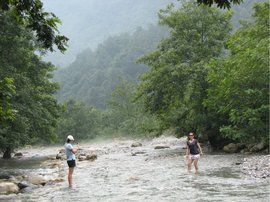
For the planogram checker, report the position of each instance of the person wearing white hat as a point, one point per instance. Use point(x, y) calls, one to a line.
point(71, 159)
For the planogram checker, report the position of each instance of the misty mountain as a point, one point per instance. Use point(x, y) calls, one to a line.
point(94, 74)
point(89, 22)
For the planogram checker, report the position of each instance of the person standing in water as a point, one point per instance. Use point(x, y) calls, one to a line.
point(71, 159)
point(193, 152)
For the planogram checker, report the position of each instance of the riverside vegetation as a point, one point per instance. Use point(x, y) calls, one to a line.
point(202, 77)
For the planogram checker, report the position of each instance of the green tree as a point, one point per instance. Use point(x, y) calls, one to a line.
point(35, 106)
point(239, 84)
point(44, 24)
point(175, 86)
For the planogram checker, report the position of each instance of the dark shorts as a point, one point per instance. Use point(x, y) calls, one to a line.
point(71, 163)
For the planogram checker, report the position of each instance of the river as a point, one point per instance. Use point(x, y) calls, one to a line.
point(151, 175)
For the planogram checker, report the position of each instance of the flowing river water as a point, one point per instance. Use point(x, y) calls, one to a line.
point(150, 175)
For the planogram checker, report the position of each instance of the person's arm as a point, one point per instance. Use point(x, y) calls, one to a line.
point(199, 147)
point(75, 150)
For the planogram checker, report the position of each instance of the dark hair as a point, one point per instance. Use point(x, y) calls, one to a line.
point(68, 140)
point(189, 133)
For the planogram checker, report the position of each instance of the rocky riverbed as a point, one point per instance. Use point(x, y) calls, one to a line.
point(133, 170)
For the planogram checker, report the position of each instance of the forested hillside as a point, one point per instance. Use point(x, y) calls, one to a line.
point(94, 74)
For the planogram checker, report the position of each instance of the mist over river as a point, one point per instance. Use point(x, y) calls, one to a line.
point(125, 173)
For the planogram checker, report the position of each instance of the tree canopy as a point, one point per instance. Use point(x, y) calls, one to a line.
point(239, 83)
point(175, 86)
point(220, 3)
point(28, 106)
point(44, 24)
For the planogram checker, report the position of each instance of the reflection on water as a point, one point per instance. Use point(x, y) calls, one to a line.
point(29, 163)
point(122, 177)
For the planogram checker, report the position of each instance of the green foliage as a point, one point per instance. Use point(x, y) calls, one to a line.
point(239, 84)
point(7, 90)
point(35, 106)
point(175, 86)
point(94, 74)
point(79, 120)
point(220, 3)
point(44, 24)
point(127, 117)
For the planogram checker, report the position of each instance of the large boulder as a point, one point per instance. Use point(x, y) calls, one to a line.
point(161, 147)
point(230, 148)
point(37, 180)
point(136, 144)
point(257, 147)
point(8, 188)
point(18, 155)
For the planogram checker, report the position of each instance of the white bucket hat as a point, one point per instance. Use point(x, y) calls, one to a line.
point(70, 137)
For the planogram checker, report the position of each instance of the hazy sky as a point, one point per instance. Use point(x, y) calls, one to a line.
point(88, 22)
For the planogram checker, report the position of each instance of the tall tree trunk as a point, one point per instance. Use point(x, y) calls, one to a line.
point(7, 153)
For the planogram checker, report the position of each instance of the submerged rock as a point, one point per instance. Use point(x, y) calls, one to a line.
point(91, 157)
point(18, 155)
point(82, 158)
point(23, 185)
point(8, 188)
point(135, 153)
point(161, 147)
point(136, 144)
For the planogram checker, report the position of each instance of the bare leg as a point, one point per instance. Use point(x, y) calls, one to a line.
point(196, 166)
point(190, 161)
point(70, 172)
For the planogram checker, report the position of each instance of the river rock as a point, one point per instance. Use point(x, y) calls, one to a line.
point(8, 188)
point(60, 156)
point(257, 147)
point(23, 185)
point(136, 144)
point(240, 146)
point(37, 180)
point(82, 158)
point(5, 176)
point(62, 151)
point(18, 155)
point(161, 147)
point(135, 153)
point(91, 157)
point(230, 148)
point(57, 180)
